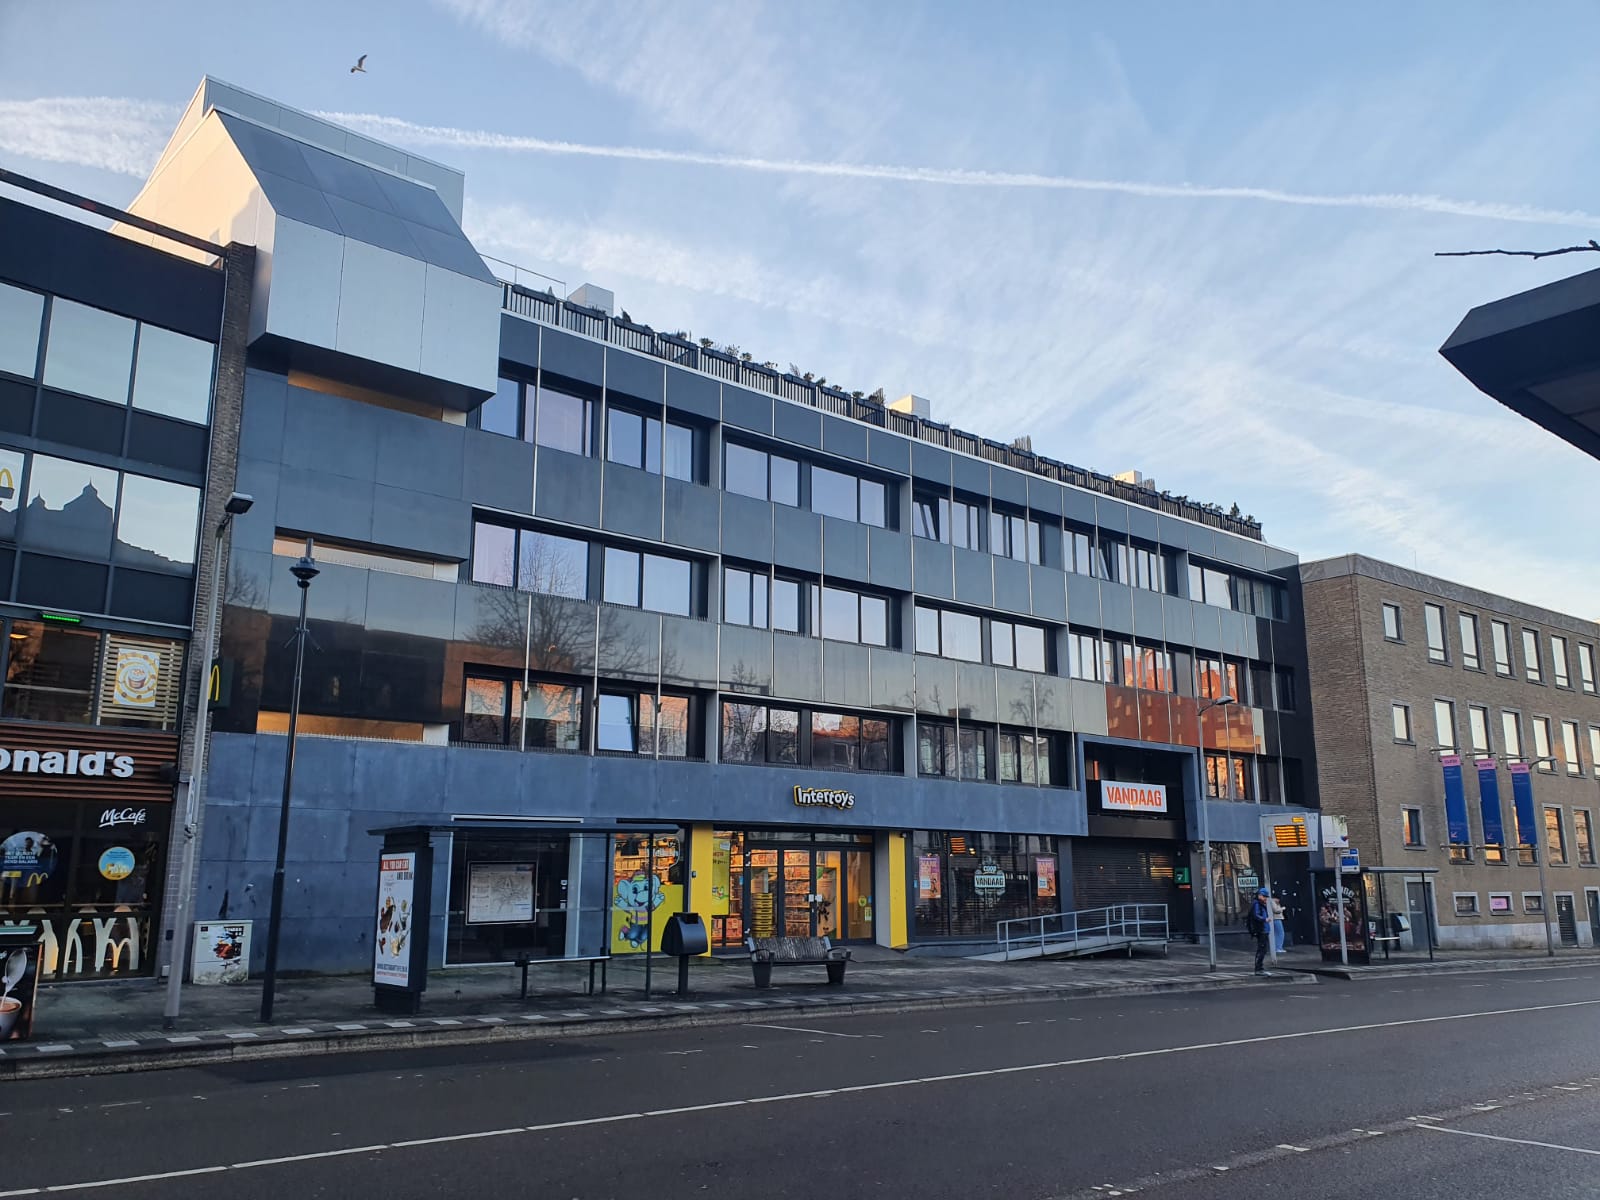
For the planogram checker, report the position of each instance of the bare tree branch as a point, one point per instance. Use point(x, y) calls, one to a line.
point(1592, 245)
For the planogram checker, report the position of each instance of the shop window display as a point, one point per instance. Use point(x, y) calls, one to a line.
point(965, 883)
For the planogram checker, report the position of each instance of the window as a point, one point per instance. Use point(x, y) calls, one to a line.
point(1020, 646)
point(636, 440)
point(954, 522)
point(1558, 661)
point(1149, 569)
point(841, 742)
point(1090, 657)
point(1499, 902)
point(1500, 636)
point(89, 351)
point(765, 476)
point(1530, 656)
point(664, 726)
point(1082, 559)
point(1152, 669)
point(677, 452)
point(1478, 728)
point(1024, 758)
point(1541, 742)
point(1014, 536)
point(787, 609)
point(1433, 622)
point(1402, 722)
point(1444, 724)
point(1469, 643)
point(1532, 902)
point(651, 581)
point(1555, 836)
point(50, 673)
point(1511, 731)
point(1391, 622)
point(172, 374)
point(836, 494)
point(70, 507)
point(1594, 750)
point(530, 560)
point(1286, 692)
point(491, 711)
point(502, 412)
point(744, 597)
point(1466, 904)
point(1586, 667)
point(156, 524)
point(553, 717)
point(1569, 747)
point(1411, 824)
point(1210, 586)
point(617, 723)
point(949, 634)
point(563, 420)
point(21, 316)
point(1228, 777)
point(1583, 835)
point(936, 749)
point(759, 733)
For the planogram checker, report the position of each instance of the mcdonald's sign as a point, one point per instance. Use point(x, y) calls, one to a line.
point(219, 684)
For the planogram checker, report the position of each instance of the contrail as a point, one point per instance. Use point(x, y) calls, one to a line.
point(478, 139)
point(124, 135)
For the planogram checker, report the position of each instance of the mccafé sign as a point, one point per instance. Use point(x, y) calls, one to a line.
point(1133, 797)
point(116, 767)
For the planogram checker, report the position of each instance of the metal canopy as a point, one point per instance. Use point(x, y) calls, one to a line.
point(1538, 353)
point(527, 828)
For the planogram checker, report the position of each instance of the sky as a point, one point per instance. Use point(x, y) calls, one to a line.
point(1194, 239)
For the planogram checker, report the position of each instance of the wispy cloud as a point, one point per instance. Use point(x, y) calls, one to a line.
point(107, 132)
point(443, 136)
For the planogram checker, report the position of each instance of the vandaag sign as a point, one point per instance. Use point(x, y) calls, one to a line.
point(1133, 797)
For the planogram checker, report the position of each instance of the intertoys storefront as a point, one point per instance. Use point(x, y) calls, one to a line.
point(84, 818)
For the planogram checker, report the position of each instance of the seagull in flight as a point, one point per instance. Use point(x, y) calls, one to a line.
point(361, 66)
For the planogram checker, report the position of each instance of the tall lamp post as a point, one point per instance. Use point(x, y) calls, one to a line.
point(1205, 830)
point(304, 571)
point(183, 904)
point(1538, 856)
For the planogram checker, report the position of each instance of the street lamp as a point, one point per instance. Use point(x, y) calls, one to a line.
point(237, 505)
point(304, 571)
point(1205, 829)
point(1538, 857)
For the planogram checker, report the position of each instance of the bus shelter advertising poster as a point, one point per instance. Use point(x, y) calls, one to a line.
point(397, 874)
point(647, 886)
point(19, 982)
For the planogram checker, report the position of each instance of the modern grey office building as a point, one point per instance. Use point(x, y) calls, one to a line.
point(882, 679)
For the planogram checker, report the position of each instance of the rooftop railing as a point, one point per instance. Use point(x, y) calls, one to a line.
point(549, 309)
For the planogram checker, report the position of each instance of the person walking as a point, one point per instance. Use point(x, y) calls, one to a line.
point(1278, 930)
point(1261, 928)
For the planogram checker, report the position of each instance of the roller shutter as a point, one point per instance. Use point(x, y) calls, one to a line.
point(1106, 872)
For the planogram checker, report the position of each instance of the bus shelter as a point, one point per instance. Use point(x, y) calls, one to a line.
point(469, 893)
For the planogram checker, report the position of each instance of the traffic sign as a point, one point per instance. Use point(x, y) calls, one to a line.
point(1350, 861)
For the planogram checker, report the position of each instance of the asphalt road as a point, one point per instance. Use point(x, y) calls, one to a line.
point(1458, 1086)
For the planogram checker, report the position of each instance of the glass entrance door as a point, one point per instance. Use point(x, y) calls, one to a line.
point(809, 892)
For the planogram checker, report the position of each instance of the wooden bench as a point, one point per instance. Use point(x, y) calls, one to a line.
point(769, 952)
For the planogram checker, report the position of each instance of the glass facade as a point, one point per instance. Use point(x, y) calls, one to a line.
point(965, 883)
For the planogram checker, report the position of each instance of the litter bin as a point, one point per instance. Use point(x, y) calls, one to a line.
point(685, 936)
point(19, 980)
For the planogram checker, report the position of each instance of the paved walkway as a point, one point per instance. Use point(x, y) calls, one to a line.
point(88, 1027)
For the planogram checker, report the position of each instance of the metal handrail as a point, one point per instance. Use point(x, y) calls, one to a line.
point(1125, 922)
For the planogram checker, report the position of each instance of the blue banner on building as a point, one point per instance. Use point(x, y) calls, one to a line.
point(1455, 802)
point(1494, 830)
point(1522, 800)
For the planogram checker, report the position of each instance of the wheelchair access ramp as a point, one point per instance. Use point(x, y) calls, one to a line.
point(1084, 931)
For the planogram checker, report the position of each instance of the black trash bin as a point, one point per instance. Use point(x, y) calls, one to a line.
point(685, 936)
point(19, 980)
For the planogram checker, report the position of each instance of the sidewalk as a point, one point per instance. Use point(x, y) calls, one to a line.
point(1308, 960)
point(88, 1028)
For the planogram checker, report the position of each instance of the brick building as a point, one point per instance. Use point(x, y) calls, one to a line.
point(1413, 678)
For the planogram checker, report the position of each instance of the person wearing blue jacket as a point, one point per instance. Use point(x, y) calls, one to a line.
point(1261, 928)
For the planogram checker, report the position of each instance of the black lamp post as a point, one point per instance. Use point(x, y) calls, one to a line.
point(304, 571)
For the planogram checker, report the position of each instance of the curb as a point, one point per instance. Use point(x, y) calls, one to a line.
point(58, 1061)
point(1378, 972)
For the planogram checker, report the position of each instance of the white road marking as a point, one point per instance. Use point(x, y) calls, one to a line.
point(798, 1029)
point(823, 1093)
point(1494, 1137)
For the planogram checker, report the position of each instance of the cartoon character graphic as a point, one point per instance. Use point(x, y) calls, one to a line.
point(636, 897)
